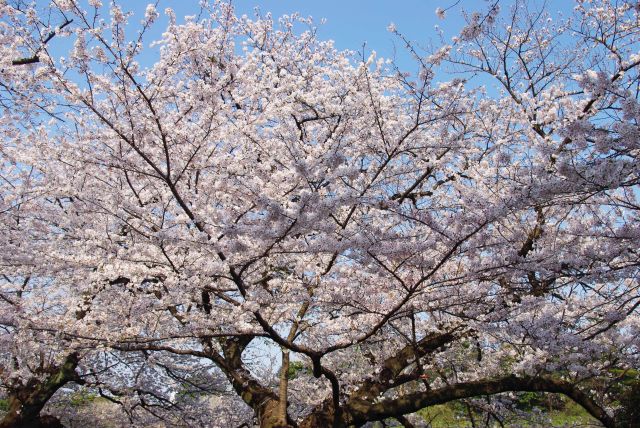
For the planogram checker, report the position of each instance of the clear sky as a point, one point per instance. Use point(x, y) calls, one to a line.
point(352, 23)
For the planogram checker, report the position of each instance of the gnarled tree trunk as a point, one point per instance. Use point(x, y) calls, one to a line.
point(26, 402)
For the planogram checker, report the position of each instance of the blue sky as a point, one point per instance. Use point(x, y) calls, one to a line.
point(351, 23)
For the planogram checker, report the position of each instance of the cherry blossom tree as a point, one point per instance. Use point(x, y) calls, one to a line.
point(393, 241)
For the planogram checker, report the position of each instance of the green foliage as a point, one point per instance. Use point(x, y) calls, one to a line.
point(558, 410)
point(82, 398)
point(527, 401)
point(295, 369)
point(4, 404)
point(189, 392)
point(629, 413)
point(442, 416)
point(571, 415)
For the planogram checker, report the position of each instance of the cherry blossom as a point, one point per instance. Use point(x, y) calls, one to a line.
point(311, 237)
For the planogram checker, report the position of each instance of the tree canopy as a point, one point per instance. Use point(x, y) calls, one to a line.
point(260, 228)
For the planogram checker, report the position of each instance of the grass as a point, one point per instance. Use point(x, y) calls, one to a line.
point(455, 415)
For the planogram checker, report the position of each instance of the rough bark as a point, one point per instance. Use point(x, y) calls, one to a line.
point(262, 400)
point(26, 402)
point(391, 369)
point(283, 388)
point(322, 416)
point(413, 402)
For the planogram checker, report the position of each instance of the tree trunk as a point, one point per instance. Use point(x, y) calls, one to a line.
point(26, 402)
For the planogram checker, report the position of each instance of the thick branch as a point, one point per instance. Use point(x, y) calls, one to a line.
point(413, 402)
point(325, 414)
point(262, 400)
point(392, 367)
point(25, 403)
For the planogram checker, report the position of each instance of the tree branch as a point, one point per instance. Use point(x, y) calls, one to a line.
point(35, 58)
point(411, 403)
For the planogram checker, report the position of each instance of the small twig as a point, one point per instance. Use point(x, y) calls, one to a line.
point(35, 58)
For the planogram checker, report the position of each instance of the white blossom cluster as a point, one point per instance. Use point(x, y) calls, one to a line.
point(266, 227)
